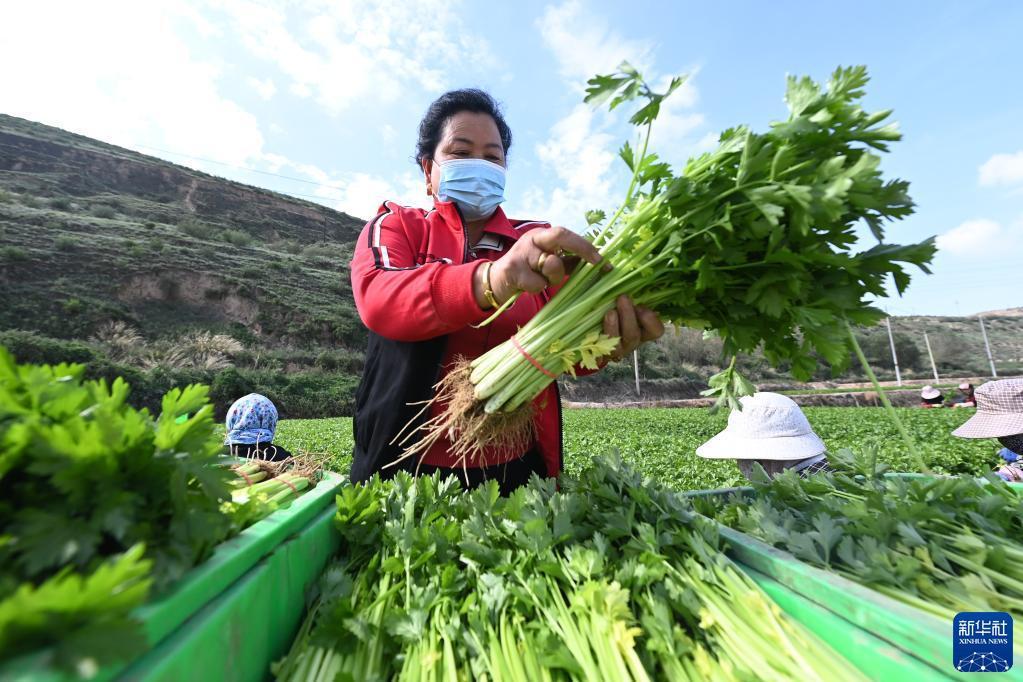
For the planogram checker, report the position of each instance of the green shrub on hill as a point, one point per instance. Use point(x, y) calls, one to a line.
point(12, 254)
point(36, 349)
point(298, 395)
point(195, 228)
point(288, 246)
point(250, 272)
point(236, 237)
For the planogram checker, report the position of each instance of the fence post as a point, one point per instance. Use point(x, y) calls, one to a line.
point(987, 346)
point(934, 367)
point(635, 368)
point(895, 358)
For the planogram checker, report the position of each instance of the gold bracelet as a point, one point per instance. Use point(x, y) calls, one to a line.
point(488, 292)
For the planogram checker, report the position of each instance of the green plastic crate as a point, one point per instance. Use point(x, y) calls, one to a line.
point(920, 635)
point(275, 559)
point(873, 656)
point(899, 628)
point(236, 637)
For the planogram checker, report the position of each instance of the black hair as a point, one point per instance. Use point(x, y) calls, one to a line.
point(447, 105)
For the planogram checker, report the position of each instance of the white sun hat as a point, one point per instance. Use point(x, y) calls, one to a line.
point(929, 393)
point(769, 426)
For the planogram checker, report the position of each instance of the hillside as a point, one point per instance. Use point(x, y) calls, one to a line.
point(1008, 312)
point(677, 366)
point(957, 341)
point(93, 233)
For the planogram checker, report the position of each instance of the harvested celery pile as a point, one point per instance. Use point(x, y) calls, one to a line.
point(611, 577)
point(105, 507)
point(941, 545)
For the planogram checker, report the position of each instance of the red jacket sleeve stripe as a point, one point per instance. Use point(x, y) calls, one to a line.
point(400, 298)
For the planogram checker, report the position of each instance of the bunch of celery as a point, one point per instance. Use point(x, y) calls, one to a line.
point(610, 578)
point(278, 490)
point(753, 241)
point(269, 485)
point(247, 474)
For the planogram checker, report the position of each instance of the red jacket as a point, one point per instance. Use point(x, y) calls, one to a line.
point(412, 279)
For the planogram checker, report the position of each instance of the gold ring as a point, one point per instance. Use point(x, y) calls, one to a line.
point(540, 262)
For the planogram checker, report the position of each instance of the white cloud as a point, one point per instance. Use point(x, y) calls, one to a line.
point(674, 131)
point(580, 154)
point(119, 71)
point(580, 151)
point(584, 45)
point(981, 237)
point(264, 88)
point(152, 75)
point(707, 143)
point(341, 53)
point(1002, 169)
point(206, 29)
point(358, 194)
point(301, 90)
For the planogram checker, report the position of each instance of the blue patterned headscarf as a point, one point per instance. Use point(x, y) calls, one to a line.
point(252, 419)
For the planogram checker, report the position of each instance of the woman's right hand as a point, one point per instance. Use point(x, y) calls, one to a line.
point(541, 258)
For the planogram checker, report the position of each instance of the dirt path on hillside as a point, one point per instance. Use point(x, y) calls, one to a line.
point(188, 195)
point(900, 398)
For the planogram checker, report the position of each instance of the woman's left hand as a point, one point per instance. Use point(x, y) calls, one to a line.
point(632, 324)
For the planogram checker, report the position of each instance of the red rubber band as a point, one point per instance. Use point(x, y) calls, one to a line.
point(293, 488)
point(532, 360)
point(244, 475)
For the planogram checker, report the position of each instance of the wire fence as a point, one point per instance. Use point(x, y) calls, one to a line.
point(933, 348)
point(908, 351)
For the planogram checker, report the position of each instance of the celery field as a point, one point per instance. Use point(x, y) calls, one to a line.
point(662, 442)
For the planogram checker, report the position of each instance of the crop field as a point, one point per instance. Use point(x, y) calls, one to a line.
point(662, 442)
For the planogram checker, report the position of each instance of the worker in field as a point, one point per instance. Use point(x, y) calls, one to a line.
point(931, 397)
point(251, 426)
point(1000, 415)
point(771, 431)
point(967, 396)
point(1012, 469)
point(424, 280)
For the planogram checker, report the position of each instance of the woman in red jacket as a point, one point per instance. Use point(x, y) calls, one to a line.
point(423, 278)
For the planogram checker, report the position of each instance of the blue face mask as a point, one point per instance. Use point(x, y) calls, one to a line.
point(475, 185)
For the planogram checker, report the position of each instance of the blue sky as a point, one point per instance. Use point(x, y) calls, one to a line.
point(329, 94)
